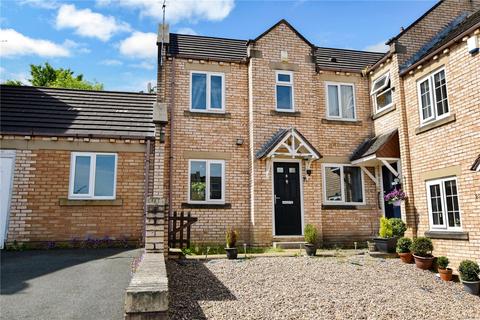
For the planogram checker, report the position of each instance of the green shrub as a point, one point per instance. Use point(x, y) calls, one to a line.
point(310, 234)
point(469, 270)
point(386, 230)
point(398, 227)
point(231, 236)
point(442, 262)
point(403, 245)
point(421, 246)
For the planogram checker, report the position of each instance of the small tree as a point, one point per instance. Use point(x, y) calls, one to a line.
point(231, 236)
point(403, 245)
point(469, 270)
point(398, 227)
point(442, 262)
point(13, 83)
point(386, 230)
point(310, 234)
point(422, 246)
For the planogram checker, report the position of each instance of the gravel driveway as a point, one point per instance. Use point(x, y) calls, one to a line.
point(65, 284)
point(358, 287)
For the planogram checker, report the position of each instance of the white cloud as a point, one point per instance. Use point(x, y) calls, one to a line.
point(187, 31)
point(44, 4)
point(88, 23)
point(20, 76)
point(139, 45)
point(13, 43)
point(111, 62)
point(377, 47)
point(134, 84)
point(147, 65)
point(76, 46)
point(189, 10)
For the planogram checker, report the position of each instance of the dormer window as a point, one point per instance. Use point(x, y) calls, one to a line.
point(382, 93)
point(284, 91)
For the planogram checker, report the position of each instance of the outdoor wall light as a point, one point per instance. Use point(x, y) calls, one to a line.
point(239, 141)
point(309, 172)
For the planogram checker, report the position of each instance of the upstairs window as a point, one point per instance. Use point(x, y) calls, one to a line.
point(342, 184)
point(206, 181)
point(442, 197)
point(341, 101)
point(207, 92)
point(93, 175)
point(382, 93)
point(284, 91)
point(432, 96)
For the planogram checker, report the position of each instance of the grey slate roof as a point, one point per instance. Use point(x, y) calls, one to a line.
point(64, 112)
point(222, 49)
point(277, 137)
point(372, 145)
point(455, 28)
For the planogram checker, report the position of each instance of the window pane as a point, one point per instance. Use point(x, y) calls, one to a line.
point(451, 199)
point(216, 92)
point(199, 91)
point(348, 111)
point(380, 83)
point(441, 93)
point(333, 107)
point(352, 177)
point(333, 189)
point(425, 100)
point(81, 180)
point(284, 97)
point(215, 181)
point(284, 77)
point(384, 99)
point(104, 175)
point(198, 181)
point(436, 203)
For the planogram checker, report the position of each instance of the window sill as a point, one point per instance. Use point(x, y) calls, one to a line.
point(285, 113)
point(342, 122)
point(206, 114)
point(447, 235)
point(384, 112)
point(435, 124)
point(187, 205)
point(90, 202)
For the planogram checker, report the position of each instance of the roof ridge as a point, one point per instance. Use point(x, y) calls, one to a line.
point(210, 37)
point(79, 90)
point(354, 50)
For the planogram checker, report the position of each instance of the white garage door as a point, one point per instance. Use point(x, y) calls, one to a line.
point(7, 165)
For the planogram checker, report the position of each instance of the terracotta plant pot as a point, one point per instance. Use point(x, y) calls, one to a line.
point(406, 257)
point(424, 263)
point(445, 274)
point(310, 249)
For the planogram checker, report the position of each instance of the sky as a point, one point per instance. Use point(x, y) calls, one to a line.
point(114, 41)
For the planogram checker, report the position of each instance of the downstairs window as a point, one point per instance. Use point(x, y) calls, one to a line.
point(442, 197)
point(342, 184)
point(206, 181)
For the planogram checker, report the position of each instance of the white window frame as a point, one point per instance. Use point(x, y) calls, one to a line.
point(208, 93)
point(284, 83)
point(433, 96)
point(342, 185)
point(338, 85)
point(91, 191)
point(445, 226)
point(207, 181)
point(380, 91)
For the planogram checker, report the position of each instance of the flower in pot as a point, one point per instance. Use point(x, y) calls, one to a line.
point(422, 248)
point(388, 235)
point(470, 276)
point(403, 249)
point(442, 264)
point(311, 238)
point(395, 197)
point(231, 236)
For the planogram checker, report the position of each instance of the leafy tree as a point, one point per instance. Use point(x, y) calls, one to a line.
point(13, 83)
point(47, 76)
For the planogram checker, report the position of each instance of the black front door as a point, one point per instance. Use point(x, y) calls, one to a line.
point(388, 179)
point(286, 186)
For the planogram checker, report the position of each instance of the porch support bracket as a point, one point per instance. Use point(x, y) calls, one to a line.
point(392, 170)
point(369, 174)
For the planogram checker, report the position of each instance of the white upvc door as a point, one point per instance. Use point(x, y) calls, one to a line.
point(7, 165)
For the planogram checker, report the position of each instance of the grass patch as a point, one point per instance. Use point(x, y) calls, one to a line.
point(210, 249)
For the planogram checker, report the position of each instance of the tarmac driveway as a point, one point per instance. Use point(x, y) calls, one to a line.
point(65, 284)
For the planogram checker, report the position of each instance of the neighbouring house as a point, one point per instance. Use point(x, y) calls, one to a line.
point(74, 164)
point(267, 135)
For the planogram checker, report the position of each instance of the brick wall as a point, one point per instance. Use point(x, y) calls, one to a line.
point(41, 179)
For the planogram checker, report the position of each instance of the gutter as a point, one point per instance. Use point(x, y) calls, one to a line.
point(170, 165)
point(445, 46)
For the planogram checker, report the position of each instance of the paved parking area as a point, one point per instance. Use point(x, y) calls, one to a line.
point(65, 284)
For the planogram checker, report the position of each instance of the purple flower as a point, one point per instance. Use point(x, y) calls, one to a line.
point(394, 195)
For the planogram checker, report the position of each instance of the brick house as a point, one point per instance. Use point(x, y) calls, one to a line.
point(74, 164)
point(270, 134)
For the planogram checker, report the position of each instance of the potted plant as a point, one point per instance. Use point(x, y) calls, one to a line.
point(231, 239)
point(395, 197)
point(311, 237)
point(422, 248)
point(403, 249)
point(385, 242)
point(470, 276)
point(442, 264)
point(398, 227)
